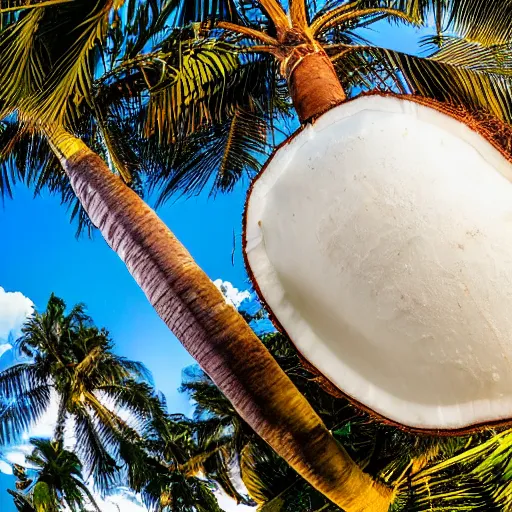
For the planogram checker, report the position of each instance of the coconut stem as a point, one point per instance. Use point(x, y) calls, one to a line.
point(312, 81)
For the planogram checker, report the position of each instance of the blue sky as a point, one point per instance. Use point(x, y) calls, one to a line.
point(40, 255)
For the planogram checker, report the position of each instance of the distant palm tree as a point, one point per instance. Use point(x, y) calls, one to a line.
point(58, 482)
point(166, 469)
point(72, 358)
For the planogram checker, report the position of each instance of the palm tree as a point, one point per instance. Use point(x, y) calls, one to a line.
point(73, 359)
point(49, 98)
point(166, 468)
point(57, 485)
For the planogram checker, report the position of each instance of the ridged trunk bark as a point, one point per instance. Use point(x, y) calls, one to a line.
point(312, 81)
point(214, 333)
point(60, 427)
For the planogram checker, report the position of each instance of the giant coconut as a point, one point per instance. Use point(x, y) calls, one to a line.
point(380, 238)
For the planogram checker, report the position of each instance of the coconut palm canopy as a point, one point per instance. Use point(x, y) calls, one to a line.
point(193, 90)
point(68, 357)
point(57, 481)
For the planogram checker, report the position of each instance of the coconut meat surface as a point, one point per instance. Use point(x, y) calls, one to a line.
point(381, 239)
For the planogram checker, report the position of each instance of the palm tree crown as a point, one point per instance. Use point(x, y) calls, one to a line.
point(58, 482)
point(72, 359)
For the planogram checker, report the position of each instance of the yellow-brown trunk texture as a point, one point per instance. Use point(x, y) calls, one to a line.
point(214, 333)
point(312, 81)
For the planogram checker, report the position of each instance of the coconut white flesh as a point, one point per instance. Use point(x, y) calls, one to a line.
point(381, 239)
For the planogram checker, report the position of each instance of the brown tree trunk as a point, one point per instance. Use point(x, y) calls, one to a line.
point(312, 81)
point(214, 333)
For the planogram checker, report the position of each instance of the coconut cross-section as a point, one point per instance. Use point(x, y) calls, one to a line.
point(380, 237)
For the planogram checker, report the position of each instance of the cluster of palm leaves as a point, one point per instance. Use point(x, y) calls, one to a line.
point(59, 481)
point(178, 96)
point(111, 427)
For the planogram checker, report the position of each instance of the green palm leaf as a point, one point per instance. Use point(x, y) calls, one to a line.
point(58, 481)
point(137, 398)
point(21, 60)
point(94, 386)
point(91, 441)
point(470, 75)
point(266, 477)
point(21, 412)
point(475, 478)
point(479, 20)
point(190, 95)
point(217, 157)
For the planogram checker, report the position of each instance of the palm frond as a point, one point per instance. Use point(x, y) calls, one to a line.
point(231, 143)
point(221, 468)
point(87, 493)
point(265, 476)
point(191, 95)
point(192, 84)
point(350, 13)
point(205, 500)
point(459, 52)
point(474, 479)
point(477, 80)
point(58, 479)
point(119, 151)
point(69, 82)
point(19, 379)
point(136, 397)
point(21, 61)
point(54, 77)
point(22, 412)
point(216, 158)
point(134, 369)
point(145, 21)
point(90, 447)
point(486, 22)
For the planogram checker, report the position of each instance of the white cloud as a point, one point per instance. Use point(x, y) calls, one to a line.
point(16, 455)
point(233, 295)
point(14, 309)
point(4, 347)
point(229, 505)
point(431, 20)
point(123, 501)
point(5, 468)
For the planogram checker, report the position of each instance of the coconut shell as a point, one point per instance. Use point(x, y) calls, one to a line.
point(499, 135)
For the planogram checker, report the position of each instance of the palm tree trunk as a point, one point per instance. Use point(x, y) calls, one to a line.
point(214, 333)
point(312, 81)
point(61, 421)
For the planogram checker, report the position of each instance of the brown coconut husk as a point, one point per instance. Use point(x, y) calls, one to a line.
point(498, 134)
